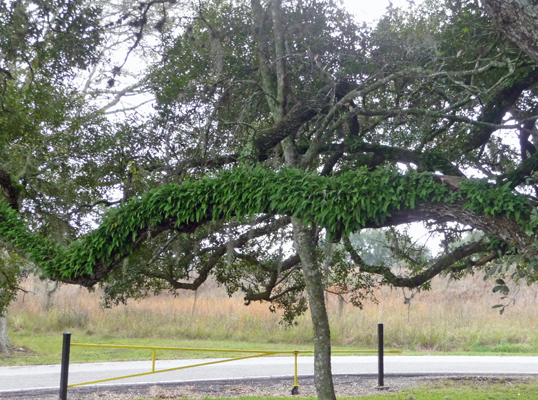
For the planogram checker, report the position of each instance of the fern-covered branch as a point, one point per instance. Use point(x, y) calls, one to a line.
point(345, 203)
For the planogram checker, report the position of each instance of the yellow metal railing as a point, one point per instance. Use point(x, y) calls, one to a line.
point(255, 353)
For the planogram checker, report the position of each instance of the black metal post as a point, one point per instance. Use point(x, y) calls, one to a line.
point(380, 366)
point(65, 366)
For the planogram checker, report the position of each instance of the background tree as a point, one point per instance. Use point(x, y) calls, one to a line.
point(41, 44)
point(59, 156)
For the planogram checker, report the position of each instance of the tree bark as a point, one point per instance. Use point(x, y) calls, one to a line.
point(5, 343)
point(518, 20)
point(9, 190)
point(305, 247)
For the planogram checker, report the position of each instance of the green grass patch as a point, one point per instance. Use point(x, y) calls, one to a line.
point(505, 348)
point(47, 349)
point(469, 389)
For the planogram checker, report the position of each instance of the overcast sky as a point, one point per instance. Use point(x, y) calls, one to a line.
point(370, 10)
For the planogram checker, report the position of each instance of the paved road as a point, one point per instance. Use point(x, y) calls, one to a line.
point(48, 376)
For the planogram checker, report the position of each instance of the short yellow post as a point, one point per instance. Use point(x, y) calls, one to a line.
point(295, 389)
point(153, 360)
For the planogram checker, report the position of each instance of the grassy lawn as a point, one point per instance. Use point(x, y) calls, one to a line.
point(48, 349)
point(465, 389)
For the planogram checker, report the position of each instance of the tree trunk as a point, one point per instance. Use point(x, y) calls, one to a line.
point(49, 292)
point(5, 343)
point(518, 20)
point(304, 244)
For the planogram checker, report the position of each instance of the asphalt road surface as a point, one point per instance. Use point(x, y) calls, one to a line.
point(48, 376)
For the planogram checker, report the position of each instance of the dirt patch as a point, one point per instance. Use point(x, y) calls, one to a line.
point(17, 351)
point(345, 385)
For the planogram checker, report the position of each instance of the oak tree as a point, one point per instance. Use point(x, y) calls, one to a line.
point(287, 122)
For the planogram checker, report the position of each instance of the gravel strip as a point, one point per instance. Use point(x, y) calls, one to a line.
point(345, 385)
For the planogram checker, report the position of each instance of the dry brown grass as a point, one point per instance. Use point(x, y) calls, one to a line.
point(454, 316)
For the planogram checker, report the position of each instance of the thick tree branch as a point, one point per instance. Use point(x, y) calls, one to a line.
point(300, 113)
point(10, 191)
point(440, 265)
point(496, 107)
point(343, 203)
point(520, 174)
point(518, 20)
point(426, 161)
point(500, 227)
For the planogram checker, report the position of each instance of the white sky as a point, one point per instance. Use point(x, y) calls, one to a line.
point(370, 10)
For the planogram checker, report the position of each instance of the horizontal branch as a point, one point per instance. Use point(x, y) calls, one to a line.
point(341, 204)
point(428, 160)
point(402, 112)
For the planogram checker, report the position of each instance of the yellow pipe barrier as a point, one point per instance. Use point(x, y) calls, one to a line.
point(168, 370)
point(295, 389)
point(120, 346)
point(295, 382)
point(255, 352)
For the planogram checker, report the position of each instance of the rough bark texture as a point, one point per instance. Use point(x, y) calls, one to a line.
point(11, 193)
point(304, 244)
point(517, 19)
point(500, 227)
point(9, 190)
point(5, 343)
point(290, 124)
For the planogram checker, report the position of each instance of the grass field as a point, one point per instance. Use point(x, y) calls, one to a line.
point(498, 389)
point(455, 317)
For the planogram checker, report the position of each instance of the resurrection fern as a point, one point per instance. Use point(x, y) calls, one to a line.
point(340, 204)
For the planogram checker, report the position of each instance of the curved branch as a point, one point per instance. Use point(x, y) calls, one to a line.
point(440, 265)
